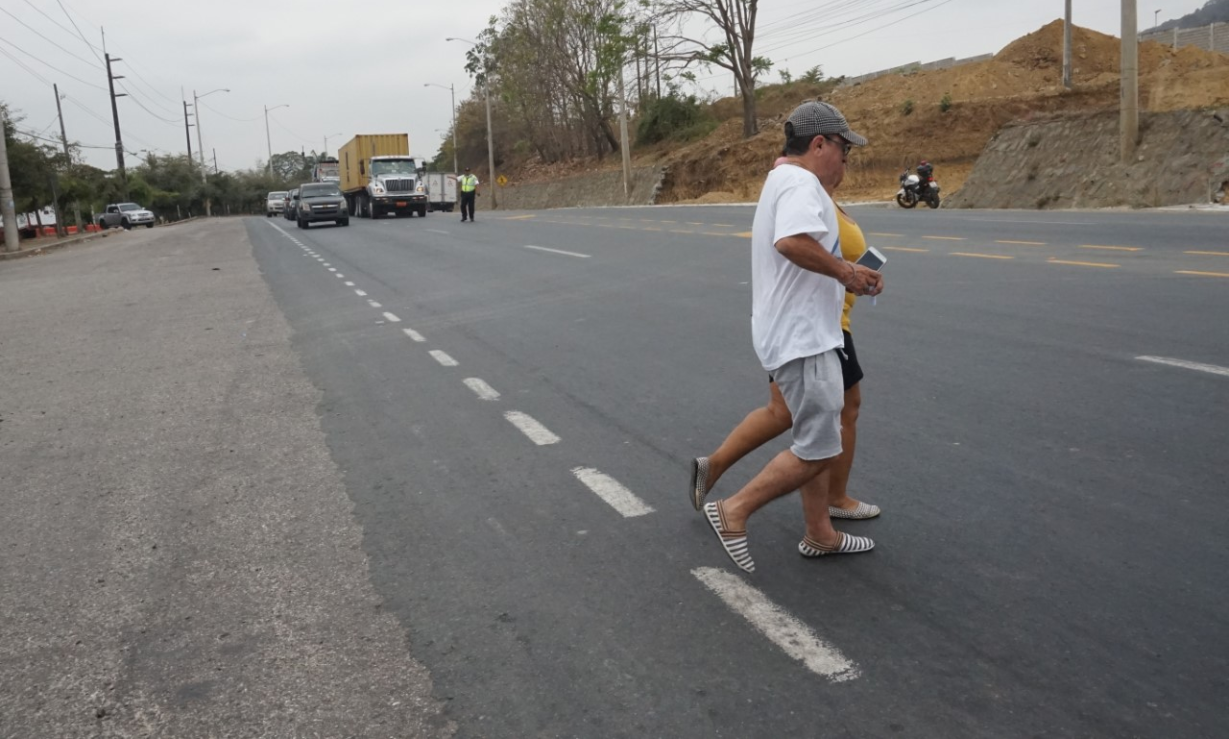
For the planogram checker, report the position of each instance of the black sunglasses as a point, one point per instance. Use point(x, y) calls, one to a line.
point(846, 147)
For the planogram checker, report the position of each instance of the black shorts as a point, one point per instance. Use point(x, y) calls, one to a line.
point(851, 371)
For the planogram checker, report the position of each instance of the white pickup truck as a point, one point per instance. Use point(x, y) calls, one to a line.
point(126, 215)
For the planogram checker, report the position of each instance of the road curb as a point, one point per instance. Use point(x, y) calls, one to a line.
point(81, 238)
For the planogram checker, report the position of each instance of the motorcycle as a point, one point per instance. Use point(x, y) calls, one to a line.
point(912, 190)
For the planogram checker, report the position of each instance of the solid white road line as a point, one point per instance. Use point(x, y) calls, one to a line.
point(536, 432)
point(610, 490)
point(483, 390)
point(443, 358)
point(360, 293)
point(795, 638)
point(374, 304)
point(1209, 368)
point(413, 334)
point(391, 318)
point(557, 251)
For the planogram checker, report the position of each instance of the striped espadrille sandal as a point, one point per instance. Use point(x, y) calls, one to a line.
point(699, 481)
point(734, 542)
point(848, 544)
point(863, 511)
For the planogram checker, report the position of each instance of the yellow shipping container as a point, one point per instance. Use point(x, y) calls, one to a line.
point(356, 156)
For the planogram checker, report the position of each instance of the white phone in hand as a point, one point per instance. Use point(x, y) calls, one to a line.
point(872, 258)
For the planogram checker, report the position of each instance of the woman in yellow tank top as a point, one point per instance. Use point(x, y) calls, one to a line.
point(764, 424)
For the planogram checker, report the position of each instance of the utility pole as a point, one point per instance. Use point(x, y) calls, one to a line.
point(627, 153)
point(657, 61)
point(187, 130)
point(1067, 48)
point(490, 138)
point(200, 143)
point(119, 141)
point(8, 209)
point(215, 161)
point(1129, 104)
point(68, 157)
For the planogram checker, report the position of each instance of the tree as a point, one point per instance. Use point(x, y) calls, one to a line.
point(733, 50)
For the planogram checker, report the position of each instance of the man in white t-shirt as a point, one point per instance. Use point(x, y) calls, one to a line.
point(798, 286)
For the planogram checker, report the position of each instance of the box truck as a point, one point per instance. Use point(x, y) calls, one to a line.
point(441, 191)
point(379, 177)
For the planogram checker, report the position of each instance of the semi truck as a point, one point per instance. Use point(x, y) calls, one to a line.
point(379, 177)
point(326, 170)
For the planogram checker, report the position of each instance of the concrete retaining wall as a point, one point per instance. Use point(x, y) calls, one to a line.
point(1182, 158)
point(588, 190)
point(947, 63)
point(1214, 37)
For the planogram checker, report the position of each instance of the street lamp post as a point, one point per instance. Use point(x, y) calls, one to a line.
point(1156, 17)
point(326, 143)
point(451, 89)
point(268, 138)
point(490, 140)
point(200, 145)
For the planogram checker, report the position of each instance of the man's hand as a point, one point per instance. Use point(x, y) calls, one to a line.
point(864, 281)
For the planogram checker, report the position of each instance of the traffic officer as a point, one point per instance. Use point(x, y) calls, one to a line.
point(469, 189)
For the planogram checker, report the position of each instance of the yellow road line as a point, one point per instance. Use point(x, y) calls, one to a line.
point(1203, 274)
point(714, 233)
point(879, 234)
point(692, 223)
point(980, 256)
point(906, 248)
point(724, 225)
point(945, 238)
point(744, 234)
point(681, 231)
point(1082, 264)
point(668, 221)
point(1025, 243)
point(651, 228)
point(518, 218)
point(1112, 248)
point(1209, 253)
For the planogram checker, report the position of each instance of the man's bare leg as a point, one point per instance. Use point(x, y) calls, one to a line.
point(761, 426)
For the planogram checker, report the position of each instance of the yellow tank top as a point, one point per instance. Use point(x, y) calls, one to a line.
point(853, 245)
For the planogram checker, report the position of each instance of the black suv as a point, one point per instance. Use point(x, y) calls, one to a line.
point(321, 201)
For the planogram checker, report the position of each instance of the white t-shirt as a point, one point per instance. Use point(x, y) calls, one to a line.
point(794, 312)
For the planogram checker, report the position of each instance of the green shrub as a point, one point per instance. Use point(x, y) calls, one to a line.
point(906, 107)
point(672, 117)
point(945, 102)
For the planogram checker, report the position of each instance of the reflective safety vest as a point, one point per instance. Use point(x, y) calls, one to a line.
point(469, 183)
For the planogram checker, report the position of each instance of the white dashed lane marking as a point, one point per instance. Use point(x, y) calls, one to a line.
point(536, 432)
point(794, 638)
point(391, 318)
point(332, 269)
point(610, 490)
point(349, 284)
point(360, 293)
point(1209, 368)
point(483, 390)
point(374, 304)
point(557, 251)
point(413, 334)
point(443, 358)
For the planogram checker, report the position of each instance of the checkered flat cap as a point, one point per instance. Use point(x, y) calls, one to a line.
point(813, 117)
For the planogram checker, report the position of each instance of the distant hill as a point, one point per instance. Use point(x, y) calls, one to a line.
point(1213, 11)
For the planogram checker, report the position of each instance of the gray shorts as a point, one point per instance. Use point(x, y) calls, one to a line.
point(814, 392)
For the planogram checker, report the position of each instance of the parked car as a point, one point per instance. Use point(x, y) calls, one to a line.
point(292, 204)
point(275, 203)
point(126, 215)
point(321, 201)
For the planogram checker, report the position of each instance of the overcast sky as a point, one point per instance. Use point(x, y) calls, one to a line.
point(361, 68)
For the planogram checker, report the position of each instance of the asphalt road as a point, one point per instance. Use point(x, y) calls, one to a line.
point(513, 404)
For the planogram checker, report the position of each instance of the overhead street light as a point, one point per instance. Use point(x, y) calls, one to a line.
point(268, 139)
point(196, 108)
point(490, 141)
point(451, 89)
point(326, 142)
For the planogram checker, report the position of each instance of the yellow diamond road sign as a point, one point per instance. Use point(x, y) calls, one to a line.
point(502, 180)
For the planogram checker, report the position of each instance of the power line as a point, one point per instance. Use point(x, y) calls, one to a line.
point(147, 110)
point(61, 48)
point(79, 33)
point(240, 120)
point(47, 64)
point(57, 142)
point(292, 133)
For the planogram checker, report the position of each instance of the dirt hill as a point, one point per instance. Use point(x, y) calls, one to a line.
point(1021, 82)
